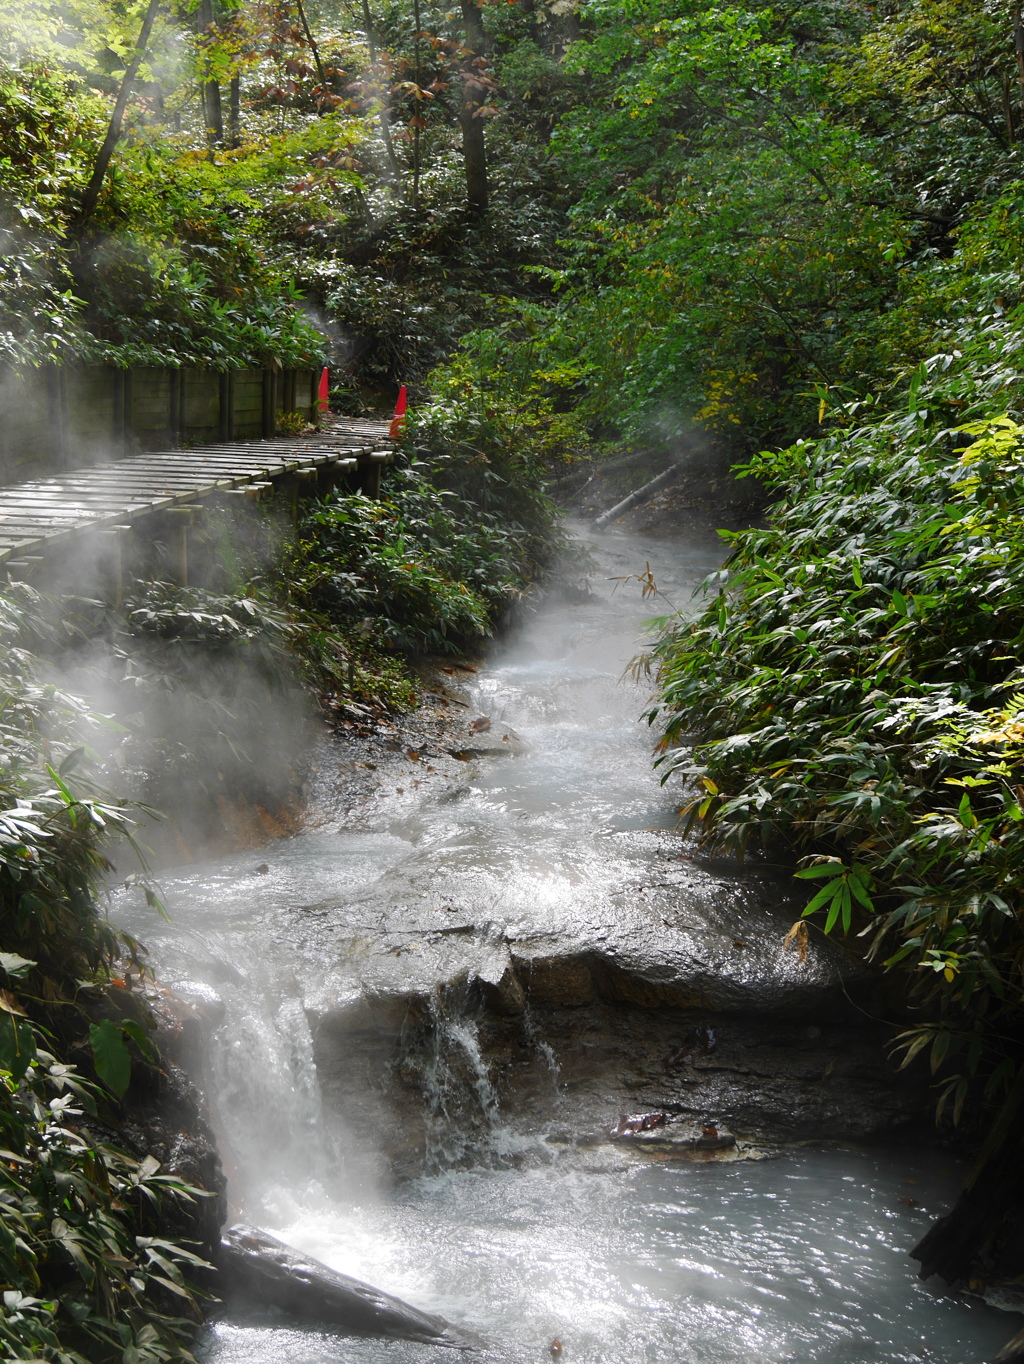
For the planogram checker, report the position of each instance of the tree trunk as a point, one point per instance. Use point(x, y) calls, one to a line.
point(385, 107)
point(91, 193)
point(314, 49)
point(213, 115)
point(417, 116)
point(235, 112)
point(474, 149)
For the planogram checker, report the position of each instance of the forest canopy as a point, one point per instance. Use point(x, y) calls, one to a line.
point(739, 217)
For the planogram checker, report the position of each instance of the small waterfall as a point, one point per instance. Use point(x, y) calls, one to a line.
point(464, 1122)
point(461, 1107)
point(543, 1048)
point(267, 1097)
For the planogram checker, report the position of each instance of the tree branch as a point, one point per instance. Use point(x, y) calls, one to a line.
point(91, 193)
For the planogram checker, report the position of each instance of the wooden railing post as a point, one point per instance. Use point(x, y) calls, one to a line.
point(174, 403)
point(269, 405)
point(57, 401)
point(227, 405)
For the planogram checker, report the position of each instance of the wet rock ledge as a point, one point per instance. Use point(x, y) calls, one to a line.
point(420, 1000)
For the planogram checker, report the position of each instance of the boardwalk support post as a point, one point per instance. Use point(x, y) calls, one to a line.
point(114, 536)
point(179, 520)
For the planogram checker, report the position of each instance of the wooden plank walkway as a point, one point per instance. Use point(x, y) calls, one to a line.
point(37, 515)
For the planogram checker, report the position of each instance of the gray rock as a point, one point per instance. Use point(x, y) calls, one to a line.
point(257, 1266)
point(678, 1138)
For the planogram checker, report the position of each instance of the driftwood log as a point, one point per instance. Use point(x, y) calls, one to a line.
point(634, 499)
point(1012, 1352)
point(258, 1267)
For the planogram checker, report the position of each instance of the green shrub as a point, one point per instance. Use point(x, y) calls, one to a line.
point(85, 1274)
point(852, 690)
point(426, 568)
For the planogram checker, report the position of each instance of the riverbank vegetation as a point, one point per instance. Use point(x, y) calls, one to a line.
point(846, 215)
point(86, 1273)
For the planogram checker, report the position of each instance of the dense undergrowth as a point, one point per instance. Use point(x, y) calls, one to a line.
point(87, 1276)
point(852, 693)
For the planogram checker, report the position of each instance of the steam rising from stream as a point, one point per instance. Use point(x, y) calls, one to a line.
point(517, 1238)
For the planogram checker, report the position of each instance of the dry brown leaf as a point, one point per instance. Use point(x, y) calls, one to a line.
point(797, 937)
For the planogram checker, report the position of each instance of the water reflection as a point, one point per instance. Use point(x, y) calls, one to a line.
point(798, 1259)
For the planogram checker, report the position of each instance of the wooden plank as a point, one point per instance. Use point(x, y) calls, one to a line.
point(130, 477)
point(257, 458)
point(133, 483)
point(113, 474)
point(140, 495)
point(43, 529)
point(122, 509)
point(241, 466)
point(39, 530)
point(41, 515)
point(84, 498)
point(210, 473)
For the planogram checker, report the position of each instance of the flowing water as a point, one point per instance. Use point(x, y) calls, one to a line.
point(800, 1258)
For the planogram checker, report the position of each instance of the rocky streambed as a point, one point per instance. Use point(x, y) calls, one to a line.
point(490, 960)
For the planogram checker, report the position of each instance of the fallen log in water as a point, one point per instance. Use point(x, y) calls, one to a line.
point(634, 499)
point(261, 1268)
point(1012, 1352)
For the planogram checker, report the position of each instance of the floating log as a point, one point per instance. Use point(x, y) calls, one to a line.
point(634, 499)
point(258, 1266)
point(1012, 1352)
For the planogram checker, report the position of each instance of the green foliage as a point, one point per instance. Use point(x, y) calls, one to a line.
point(499, 416)
point(51, 857)
point(764, 204)
point(426, 569)
point(852, 691)
point(84, 1279)
point(334, 180)
point(111, 1057)
point(44, 143)
point(168, 273)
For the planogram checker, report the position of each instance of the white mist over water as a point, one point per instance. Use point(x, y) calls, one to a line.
point(798, 1259)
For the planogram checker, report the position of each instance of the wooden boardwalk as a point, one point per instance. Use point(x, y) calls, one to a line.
point(108, 498)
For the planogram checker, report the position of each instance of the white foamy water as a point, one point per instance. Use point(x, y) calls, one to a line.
point(798, 1259)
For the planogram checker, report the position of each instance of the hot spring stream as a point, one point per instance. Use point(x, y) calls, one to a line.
point(800, 1258)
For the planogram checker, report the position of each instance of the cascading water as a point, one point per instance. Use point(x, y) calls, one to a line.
point(802, 1258)
point(459, 1098)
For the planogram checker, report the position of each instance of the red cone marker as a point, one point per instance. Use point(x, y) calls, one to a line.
point(324, 388)
point(398, 421)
